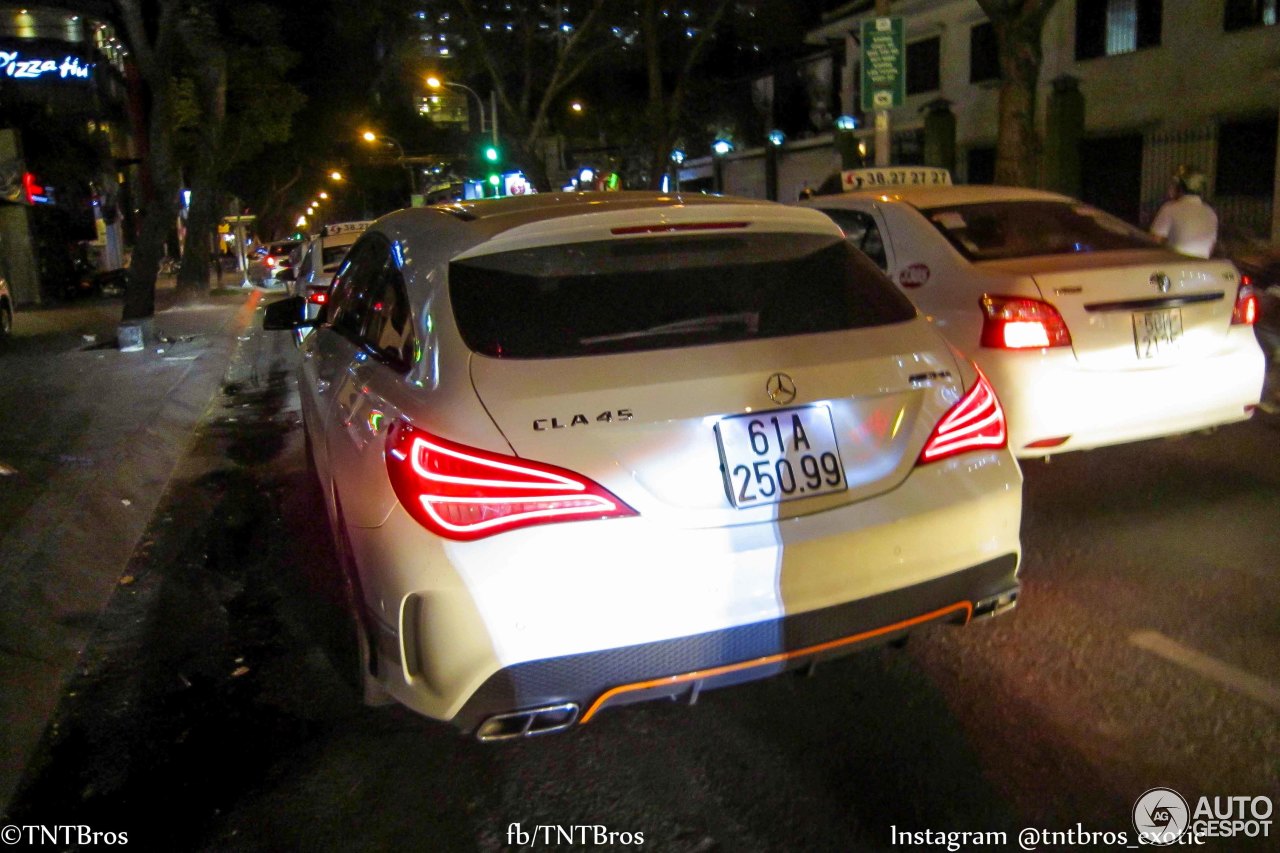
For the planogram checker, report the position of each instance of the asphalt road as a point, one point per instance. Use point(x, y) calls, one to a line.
point(1145, 653)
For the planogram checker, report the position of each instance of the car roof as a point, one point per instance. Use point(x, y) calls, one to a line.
point(551, 218)
point(938, 195)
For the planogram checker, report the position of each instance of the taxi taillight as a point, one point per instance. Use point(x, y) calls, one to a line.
point(1016, 322)
point(1245, 312)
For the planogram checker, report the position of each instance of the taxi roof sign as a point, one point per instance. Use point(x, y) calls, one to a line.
point(893, 176)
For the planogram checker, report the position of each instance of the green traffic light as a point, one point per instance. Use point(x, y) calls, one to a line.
point(493, 179)
point(491, 154)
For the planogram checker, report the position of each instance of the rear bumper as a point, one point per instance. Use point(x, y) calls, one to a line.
point(683, 667)
point(1048, 395)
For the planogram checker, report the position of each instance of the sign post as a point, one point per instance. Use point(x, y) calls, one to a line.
point(884, 79)
point(239, 224)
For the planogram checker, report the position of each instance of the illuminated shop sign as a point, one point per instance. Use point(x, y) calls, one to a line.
point(35, 192)
point(14, 64)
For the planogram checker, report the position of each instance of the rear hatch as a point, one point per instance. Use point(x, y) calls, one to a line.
point(1135, 308)
point(709, 378)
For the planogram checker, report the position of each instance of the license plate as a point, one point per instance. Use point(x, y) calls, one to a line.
point(1156, 333)
point(779, 456)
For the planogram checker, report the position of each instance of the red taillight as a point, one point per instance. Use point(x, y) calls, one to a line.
point(270, 261)
point(318, 297)
point(1246, 311)
point(464, 493)
point(977, 421)
point(1014, 322)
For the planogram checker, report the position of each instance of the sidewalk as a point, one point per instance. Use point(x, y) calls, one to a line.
point(89, 437)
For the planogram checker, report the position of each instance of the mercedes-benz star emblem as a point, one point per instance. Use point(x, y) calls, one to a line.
point(1161, 281)
point(780, 388)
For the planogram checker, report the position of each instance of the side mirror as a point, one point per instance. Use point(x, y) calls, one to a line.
point(287, 314)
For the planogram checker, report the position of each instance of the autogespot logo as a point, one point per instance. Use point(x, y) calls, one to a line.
point(1161, 816)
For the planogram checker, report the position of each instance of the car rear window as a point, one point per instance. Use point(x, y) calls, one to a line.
point(333, 256)
point(283, 250)
point(1022, 229)
point(666, 292)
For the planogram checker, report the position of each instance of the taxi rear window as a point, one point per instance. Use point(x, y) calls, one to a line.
point(612, 296)
point(1022, 229)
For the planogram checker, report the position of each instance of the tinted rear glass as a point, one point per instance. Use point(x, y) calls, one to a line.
point(1022, 229)
point(666, 292)
point(333, 256)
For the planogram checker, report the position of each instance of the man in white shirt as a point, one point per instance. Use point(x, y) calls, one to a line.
point(1185, 222)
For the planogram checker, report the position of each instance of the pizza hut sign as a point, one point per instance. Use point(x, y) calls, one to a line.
point(14, 64)
point(914, 275)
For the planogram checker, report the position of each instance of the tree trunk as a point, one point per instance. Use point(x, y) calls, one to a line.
point(659, 132)
point(154, 59)
point(202, 221)
point(1017, 143)
point(206, 193)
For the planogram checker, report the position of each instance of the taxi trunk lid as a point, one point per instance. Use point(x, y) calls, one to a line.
point(1138, 308)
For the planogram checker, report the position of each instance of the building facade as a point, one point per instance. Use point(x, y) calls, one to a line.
point(66, 146)
point(1161, 82)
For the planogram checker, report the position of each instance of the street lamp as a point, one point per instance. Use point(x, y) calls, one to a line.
point(434, 82)
point(677, 157)
point(720, 149)
point(776, 140)
point(370, 136)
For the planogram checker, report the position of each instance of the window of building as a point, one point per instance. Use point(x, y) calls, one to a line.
point(24, 25)
point(1246, 158)
point(984, 54)
point(1241, 14)
point(924, 66)
point(981, 165)
point(1112, 27)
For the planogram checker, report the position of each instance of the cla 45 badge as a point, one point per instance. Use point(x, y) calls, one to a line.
point(605, 417)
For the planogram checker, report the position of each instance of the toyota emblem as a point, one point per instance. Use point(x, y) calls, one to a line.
point(780, 388)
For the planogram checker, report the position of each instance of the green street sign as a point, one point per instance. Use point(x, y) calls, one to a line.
point(884, 78)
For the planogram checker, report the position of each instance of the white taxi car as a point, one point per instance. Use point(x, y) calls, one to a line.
point(1091, 332)
point(318, 260)
point(581, 450)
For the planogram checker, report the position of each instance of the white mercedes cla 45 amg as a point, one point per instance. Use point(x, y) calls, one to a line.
point(582, 450)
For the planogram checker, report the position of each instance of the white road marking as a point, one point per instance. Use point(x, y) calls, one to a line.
point(1233, 678)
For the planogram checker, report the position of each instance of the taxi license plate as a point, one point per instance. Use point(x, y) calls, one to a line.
point(1156, 333)
point(779, 456)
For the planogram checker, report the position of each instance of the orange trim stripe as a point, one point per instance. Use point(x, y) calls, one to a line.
point(966, 606)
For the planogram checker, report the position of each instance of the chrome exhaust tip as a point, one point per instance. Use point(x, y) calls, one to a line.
point(527, 723)
point(996, 604)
